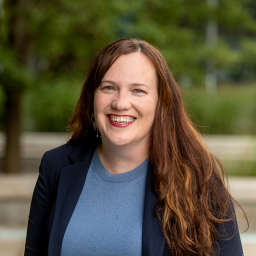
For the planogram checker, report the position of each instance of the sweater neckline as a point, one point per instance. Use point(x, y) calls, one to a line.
point(117, 178)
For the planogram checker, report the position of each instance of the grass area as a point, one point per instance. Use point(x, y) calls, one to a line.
point(240, 168)
point(232, 110)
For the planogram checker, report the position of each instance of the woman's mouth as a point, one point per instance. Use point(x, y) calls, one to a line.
point(121, 120)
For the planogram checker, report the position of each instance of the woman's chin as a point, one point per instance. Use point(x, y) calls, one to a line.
point(120, 141)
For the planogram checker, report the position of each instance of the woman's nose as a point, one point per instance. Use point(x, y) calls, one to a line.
point(121, 102)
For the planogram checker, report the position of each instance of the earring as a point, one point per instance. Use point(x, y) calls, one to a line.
point(93, 122)
point(95, 125)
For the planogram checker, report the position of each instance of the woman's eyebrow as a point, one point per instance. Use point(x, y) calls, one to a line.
point(107, 81)
point(132, 84)
point(139, 84)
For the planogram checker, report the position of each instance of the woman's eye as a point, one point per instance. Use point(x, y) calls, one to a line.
point(108, 88)
point(138, 91)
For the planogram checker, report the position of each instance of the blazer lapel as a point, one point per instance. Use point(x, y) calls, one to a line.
point(153, 240)
point(71, 182)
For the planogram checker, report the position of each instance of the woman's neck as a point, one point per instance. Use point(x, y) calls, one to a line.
point(120, 159)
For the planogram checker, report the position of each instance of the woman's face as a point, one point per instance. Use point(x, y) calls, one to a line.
point(125, 101)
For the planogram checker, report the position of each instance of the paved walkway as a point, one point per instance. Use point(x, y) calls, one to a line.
point(18, 188)
point(227, 147)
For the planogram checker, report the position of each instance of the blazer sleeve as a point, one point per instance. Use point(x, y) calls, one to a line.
point(229, 242)
point(39, 211)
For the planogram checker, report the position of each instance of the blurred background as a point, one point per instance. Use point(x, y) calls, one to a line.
point(45, 51)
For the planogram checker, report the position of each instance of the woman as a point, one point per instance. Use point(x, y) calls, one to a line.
point(135, 178)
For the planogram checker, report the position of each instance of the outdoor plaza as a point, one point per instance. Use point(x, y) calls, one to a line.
point(16, 189)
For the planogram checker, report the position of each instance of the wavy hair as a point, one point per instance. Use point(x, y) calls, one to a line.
point(193, 199)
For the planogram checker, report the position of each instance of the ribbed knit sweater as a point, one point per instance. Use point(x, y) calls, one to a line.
point(108, 217)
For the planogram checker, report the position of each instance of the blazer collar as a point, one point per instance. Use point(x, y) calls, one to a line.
point(83, 150)
point(71, 182)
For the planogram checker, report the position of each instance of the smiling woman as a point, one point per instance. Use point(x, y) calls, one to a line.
point(147, 185)
point(126, 98)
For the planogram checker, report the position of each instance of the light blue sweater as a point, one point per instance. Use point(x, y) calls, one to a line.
point(108, 217)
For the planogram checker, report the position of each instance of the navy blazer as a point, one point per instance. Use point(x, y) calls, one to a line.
point(62, 175)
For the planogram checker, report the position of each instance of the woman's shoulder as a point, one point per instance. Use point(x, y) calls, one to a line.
point(68, 154)
point(59, 153)
point(56, 159)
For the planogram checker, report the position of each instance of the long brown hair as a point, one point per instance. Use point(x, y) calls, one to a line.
point(189, 180)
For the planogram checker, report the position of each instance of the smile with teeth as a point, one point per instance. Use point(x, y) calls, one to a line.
point(121, 120)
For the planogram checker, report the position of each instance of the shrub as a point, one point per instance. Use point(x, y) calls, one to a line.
point(232, 110)
point(49, 106)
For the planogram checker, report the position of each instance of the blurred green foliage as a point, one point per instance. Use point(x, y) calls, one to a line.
point(240, 168)
point(49, 107)
point(61, 37)
point(231, 111)
point(2, 100)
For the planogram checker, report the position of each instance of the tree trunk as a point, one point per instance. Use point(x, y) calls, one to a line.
point(19, 40)
point(12, 131)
